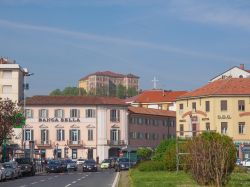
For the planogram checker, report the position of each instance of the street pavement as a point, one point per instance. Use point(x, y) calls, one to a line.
point(102, 178)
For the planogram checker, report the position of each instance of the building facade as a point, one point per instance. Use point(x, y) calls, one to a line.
point(156, 99)
point(75, 126)
point(107, 81)
point(148, 127)
point(11, 80)
point(222, 106)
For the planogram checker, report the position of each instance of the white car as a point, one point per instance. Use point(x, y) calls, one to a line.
point(2, 173)
point(80, 161)
point(246, 162)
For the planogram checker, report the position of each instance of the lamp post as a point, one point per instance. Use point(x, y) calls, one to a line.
point(66, 151)
point(25, 87)
point(57, 151)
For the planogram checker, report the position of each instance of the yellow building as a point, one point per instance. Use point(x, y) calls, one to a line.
point(222, 106)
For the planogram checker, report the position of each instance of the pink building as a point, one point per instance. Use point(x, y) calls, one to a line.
point(76, 126)
point(148, 127)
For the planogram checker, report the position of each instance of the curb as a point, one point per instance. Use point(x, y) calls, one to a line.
point(116, 181)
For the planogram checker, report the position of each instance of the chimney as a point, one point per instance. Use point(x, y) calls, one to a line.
point(242, 66)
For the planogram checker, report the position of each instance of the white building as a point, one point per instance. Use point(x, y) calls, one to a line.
point(11, 80)
point(234, 72)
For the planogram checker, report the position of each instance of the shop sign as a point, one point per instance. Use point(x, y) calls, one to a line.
point(182, 120)
point(59, 120)
point(224, 117)
point(205, 119)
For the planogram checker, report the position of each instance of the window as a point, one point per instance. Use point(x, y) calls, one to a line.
point(90, 134)
point(74, 113)
point(194, 106)
point(59, 113)
point(241, 105)
point(242, 128)
point(44, 136)
point(28, 134)
point(207, 106)
point(223, 105)
point(7, 89)
point(114, 115)
point(74, 136)
point(114, 135)
point(7, 74)
point(90, 113)
point(74, 153)
point(28, 113)
point(181, 129)
point(43, 113)
point(181, 108)
point(223, 127)
point(60, 135)
point(207, 126)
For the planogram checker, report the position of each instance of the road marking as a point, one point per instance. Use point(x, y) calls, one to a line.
point(56, 176)
point(42, 180)
point(74, 182)
point(50, 178)
point(68, 185)
point(79, 179)
point(23, 186)
point(34, 183)
point(83, 177)
point(79, 173)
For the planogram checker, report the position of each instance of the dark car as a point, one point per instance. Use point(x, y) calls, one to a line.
point(55, 166)
point(27, 166)
point(89, 165)
point(71, 165)
point(123, 164)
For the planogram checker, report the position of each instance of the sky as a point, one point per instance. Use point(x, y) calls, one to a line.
point(183, 43)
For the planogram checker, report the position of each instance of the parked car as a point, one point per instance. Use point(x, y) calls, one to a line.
point(71, 165)
point(27, 166)
point(80, 161)
point(55, 166)
point(238, 162)
point(2, 173)
point(89, 165)
point(122, 164)
point(12, 170)
point(246, 162)
point(106, 163)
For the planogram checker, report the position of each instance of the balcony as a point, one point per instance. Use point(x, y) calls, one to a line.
point(43, 144)
point(77, 143)
point(115, 142)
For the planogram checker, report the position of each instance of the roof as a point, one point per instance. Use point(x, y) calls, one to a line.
point(5, 61)
point(156, 96)
point(150, 111)
point(109, 74)
point(73, 100)
point(230, 86)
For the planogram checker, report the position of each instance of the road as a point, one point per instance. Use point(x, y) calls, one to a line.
point(101, 178)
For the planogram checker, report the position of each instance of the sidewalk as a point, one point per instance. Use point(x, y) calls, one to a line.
point(124, 179)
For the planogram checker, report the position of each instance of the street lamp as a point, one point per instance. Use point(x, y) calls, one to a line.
point(56, 151)
point(66, 151)
point(25, 87)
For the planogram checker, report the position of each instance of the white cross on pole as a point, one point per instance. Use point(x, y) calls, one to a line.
point(155, 82)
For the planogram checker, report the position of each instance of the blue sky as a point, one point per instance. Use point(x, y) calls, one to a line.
point(184, 43)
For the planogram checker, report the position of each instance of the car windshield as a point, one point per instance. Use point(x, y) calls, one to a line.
point(89, 162)
point(106, 161)
point(54, 162)
point(69, 161)
point(123, 160)
point(23, 160)
point(7, 165)
point(80, 159)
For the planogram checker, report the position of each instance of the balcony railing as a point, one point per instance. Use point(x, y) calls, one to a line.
point(72, 143)
point(46, 143)
point(115, 142)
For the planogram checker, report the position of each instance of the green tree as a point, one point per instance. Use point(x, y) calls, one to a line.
point(161, 149)
point(121, 91)
point(131, 92)
point(144, 153)
point(69, 91)
point(211, 159)
point(56, 92)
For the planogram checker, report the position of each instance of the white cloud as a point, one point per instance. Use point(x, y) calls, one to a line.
point(116, 40)
point(213, 12)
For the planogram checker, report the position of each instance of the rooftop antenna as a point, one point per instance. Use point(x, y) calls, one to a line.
point(155, 82)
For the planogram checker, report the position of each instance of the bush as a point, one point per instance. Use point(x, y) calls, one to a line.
point(144, 153)
point(240, 169)
point(162, 148)
point(170, 158)
point(212, 158)
point(151, 165)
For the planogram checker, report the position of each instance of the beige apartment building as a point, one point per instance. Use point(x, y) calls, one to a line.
point(107, 81)
point(11, 80)
point(222, 106)
point(75, 126)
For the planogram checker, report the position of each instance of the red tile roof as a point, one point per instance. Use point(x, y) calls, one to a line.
point(150, 111)
point(73, 100)
point(109, 74)
point(156, 96)
point(230, 86)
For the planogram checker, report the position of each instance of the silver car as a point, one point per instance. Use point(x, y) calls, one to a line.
point(2, 173)
point(11, 170)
